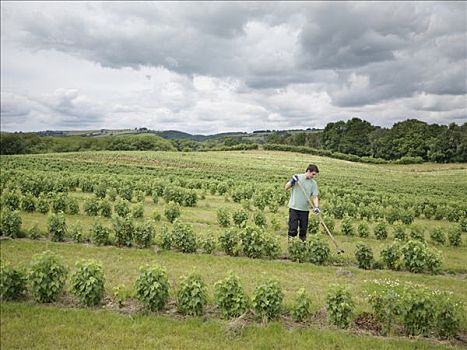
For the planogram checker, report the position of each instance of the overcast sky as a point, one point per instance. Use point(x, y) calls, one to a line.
point(209, 67)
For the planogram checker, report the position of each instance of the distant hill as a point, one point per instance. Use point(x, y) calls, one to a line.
point(166, 134)
point(180, 135)
point(257, 136)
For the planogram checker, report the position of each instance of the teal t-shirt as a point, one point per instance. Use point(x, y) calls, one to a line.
point(298, 201)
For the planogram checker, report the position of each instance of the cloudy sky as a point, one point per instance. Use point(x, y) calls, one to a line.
point(208, 67)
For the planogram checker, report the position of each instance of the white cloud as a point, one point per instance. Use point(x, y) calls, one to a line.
point(215, 67)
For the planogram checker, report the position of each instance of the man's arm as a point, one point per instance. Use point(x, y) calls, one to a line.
point(292, 182)
point(315, 202)
point(316, 206)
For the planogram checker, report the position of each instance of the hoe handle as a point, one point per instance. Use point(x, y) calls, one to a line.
point(339, 251)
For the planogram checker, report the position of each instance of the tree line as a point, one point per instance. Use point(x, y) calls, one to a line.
point(355, 138)
point(22, 143)
point(409, 138)
point(27, 143)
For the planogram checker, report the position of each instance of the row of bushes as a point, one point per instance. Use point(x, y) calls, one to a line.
point(260, 198)
point(341, 209)
point(61, 202)
point(419, 310)
point(47, 276)
point(453, 236)
point(94, 207)
point(413, 255)
point(11, 220)
point(253, 242)
point(57, 202)
point(369, 205)
point(125, 232)
point(381, 230)
point(355, 202)
point(239, 147)
point(337, 203)
point(339, 155)
point(178, 191)
point(241, 216)
point(131, 188)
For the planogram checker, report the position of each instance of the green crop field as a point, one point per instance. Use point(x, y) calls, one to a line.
point(117, 208)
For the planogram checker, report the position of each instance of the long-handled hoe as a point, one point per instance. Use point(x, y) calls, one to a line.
point(339, 250)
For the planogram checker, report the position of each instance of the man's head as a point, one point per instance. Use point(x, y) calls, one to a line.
point(311, 171)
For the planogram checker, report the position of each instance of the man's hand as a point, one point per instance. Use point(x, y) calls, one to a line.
point(294, 180)
point(316, 211)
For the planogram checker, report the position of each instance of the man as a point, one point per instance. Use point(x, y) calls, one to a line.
point(303, 187)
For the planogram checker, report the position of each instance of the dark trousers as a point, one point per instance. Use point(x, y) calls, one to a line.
point(298, 218)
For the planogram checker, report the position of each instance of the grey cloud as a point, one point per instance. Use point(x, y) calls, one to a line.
point(346, 35)
point(73, 108)
point(293, 63)
point(267, 81)
point(222, 19)
point(402, 78)
point(14, 106)
point(67, 108)
point(208, 39)
point(403, 49)
point(15, 111)
point(198, 39)
point(128, 41)
point(438, 103)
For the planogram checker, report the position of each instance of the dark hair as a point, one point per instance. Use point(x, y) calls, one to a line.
point(312, 168)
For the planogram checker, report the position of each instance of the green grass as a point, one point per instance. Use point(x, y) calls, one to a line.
point(121, 267)
point(28, 326)
point(204, 219)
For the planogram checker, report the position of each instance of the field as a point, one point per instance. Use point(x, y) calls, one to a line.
point(427, 197)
